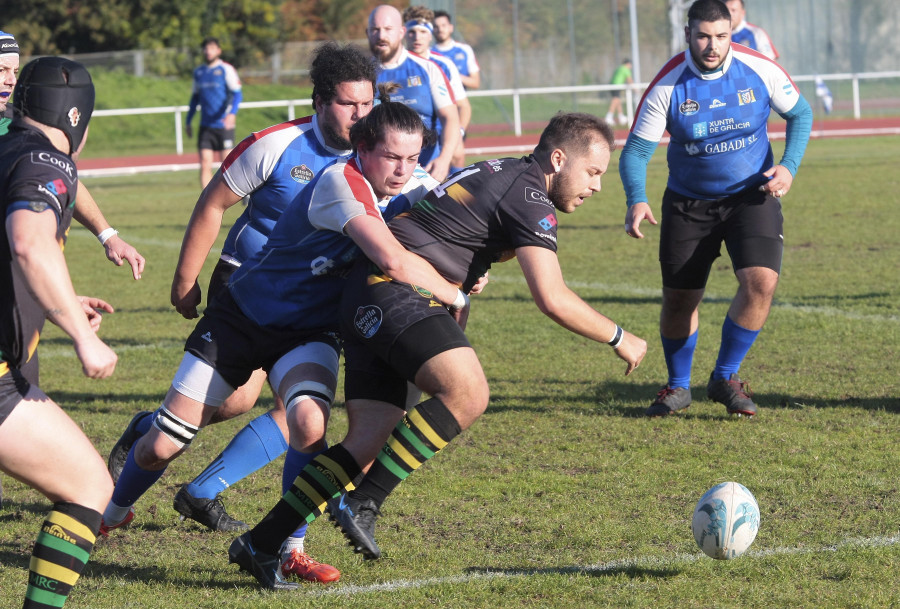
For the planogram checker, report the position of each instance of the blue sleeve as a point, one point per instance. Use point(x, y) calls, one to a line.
point(236, 97)
point(633, 167)
point(192, 107)
point(799, 124)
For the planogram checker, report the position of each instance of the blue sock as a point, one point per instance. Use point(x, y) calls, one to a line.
point(736, 342)
point(679, 353)
point(256, 445)
point(146, 423)
point(133, 482)
point(294, 462)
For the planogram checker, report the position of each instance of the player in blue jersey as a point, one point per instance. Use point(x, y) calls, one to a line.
point(422, 86)
point(279, 311)
point(714, 100)
point(394, 334)
point(419, 35)
point(460, 53)
point(270, 168)
point(39, 444)
point(748, 34)
point(217, 90)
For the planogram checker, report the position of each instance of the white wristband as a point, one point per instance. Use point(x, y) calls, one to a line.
point(461, 302)
point(105, 235)
point(616, 340)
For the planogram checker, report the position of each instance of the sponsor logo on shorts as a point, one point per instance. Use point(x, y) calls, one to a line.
point(422, 292)
point(207, 337)
point(533, 195)
point(368, 320)
point(302, 174)
point(701, 130)
point(746, 96)
point(717, 103)
point(689, 107)
point(548, 222)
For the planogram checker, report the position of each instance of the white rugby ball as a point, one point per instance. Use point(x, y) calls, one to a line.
point(726, 521)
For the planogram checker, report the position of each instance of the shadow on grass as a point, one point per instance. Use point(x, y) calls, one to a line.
point(630, 400)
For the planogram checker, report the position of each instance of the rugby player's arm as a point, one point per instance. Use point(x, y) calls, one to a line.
point(33, 245)
point(473, 81)
point(380, 246)
point(633, 163)
point(199, 237)
point(555, 300)
point(449, 117)
point(88, 214)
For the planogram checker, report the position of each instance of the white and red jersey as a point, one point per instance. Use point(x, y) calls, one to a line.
point(754, 37)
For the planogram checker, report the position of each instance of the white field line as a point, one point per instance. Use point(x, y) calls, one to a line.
point(632, 290)
point(613, 565)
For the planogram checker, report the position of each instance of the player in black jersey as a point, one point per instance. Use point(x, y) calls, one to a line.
point(39, 444)
point(396, 333)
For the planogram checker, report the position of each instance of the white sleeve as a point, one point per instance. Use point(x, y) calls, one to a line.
point(334, 202)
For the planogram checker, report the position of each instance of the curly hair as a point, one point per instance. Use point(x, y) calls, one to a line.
point(334, 64)
point(418, 13)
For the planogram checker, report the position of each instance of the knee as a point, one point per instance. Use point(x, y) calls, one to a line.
point(306, 422)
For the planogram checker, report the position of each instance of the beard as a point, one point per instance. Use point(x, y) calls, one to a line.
point(335, 139)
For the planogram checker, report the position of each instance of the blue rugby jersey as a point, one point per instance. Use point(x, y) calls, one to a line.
point(217, 89)
point(296, 280)
point(754, 37)
point(460, 54)
point(717, 121)
point(424, 88)
point(273, 167)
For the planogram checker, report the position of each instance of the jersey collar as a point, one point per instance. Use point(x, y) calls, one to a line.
point(713, 74)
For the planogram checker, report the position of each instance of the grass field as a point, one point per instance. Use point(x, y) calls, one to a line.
point(563, 495)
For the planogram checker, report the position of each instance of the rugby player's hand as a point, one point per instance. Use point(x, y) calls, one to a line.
point(439, 168)
point(780, 181)
point(479, 286)
point(98, 361)
point(118, 251)
point(461, 316)
point(188, 130)
point(185, 298)
point(636, 214)
point(92, 307)
point(632, 350)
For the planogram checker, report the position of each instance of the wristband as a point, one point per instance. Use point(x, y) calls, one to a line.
point(616, 340)
point(461, 302)
point(105, 235)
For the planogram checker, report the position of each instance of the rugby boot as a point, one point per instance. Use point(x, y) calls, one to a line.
point(106, 528)
point(732, 392)
point(119, 453)
point(208, 512)
point(303, 565)
point(669, 400)
point(356, 520)
point(266, 568)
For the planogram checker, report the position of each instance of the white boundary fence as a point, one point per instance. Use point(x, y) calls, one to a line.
point(632, 93)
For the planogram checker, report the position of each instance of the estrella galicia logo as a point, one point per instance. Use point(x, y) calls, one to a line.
point(689, 107)
point(701, 130)
point(548, 222)
point(301, 174)
point(533, 195)
point(368, 320)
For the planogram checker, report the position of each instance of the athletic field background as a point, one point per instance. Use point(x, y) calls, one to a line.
point(563, 494)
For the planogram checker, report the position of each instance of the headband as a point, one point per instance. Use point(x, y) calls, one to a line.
point(416, 23)
point(8, 44)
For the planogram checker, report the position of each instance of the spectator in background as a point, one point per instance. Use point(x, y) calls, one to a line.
point(423, 87)
point(217, 90)
point(622, 76)
point(419, 22)
point(748, 34)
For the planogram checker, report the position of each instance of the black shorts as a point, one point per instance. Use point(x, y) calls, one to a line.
point(390, 329)
point(750, 223)
point(235, 346)
point(215, 138)
point(13, 389)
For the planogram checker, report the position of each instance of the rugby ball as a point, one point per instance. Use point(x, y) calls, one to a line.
point(726, 521)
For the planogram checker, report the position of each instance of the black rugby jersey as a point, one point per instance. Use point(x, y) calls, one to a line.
point(479, 216)
point(33, 175)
